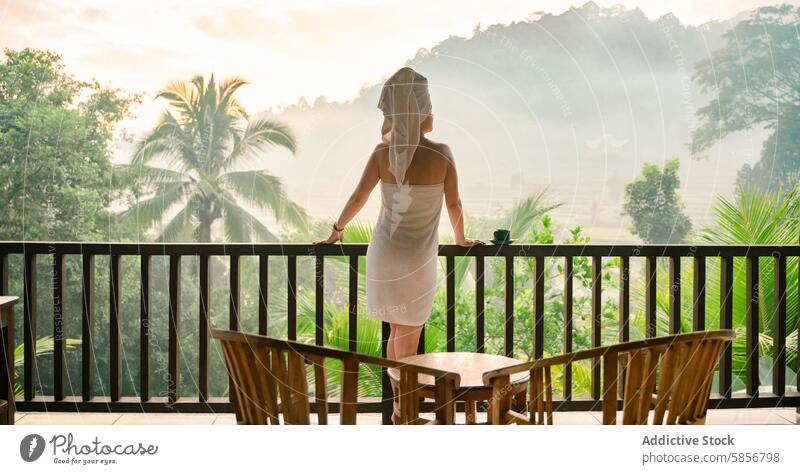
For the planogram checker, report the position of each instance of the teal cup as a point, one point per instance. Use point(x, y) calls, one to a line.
point(502, 236)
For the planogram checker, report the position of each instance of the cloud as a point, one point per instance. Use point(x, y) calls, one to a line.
point(606, 141)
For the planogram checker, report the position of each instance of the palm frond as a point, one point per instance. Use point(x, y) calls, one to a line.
point(182, 98)
point(757, 217)
point(260, 135)
point(241, 226)
point(265, 191)
point(169, 141)
point(180, 227)
point(526, 211)
point(227, 100)
point(358, 232)
point(148, 212)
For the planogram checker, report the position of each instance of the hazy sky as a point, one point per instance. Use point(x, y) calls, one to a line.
point(286, 49)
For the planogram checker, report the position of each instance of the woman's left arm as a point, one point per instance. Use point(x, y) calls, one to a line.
point(369, 178)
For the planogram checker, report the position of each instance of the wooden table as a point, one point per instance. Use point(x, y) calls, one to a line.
point(470, 366)
point(7, 408)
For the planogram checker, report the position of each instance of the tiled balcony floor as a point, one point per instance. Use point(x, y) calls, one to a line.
point(763, 416)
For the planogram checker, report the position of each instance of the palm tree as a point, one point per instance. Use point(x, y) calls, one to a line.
point(189, 168)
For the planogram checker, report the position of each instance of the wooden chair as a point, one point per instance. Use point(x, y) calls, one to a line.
point(7, 344)
point(269, 376)
point(681, 367)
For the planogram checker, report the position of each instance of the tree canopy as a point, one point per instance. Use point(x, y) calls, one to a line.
point(653, 204)
point(754, 81)
point(55, 173)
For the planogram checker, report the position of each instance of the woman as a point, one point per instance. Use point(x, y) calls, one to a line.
point(414, 173)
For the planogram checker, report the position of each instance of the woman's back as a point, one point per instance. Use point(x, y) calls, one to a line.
point(429, 165)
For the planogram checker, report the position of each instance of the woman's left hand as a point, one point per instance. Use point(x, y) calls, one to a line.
point(470, 243)
point(336, 236)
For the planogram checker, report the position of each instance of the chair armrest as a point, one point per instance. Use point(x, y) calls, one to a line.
point(542, 363)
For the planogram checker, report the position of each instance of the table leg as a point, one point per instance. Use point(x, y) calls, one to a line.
point(469, 411)
point(7, 366)
point(520, 401)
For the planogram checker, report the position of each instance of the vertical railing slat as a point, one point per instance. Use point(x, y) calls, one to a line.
point(751, 324)
point(726, 322)
point(597, 314)
point(87, 329)
point(204, 322)
point(291, 297)
point(674, 294)
point(480, 305)
point(235, 293)
point(319, 296)
point(509, 314)
point(386, 387)
point(173, 363)
point(29, 325)
point(699, 295)
point(567, 326)
point(263, 292)
point(115, 327)
point(4, 274)
point(624, 299)
point(779, 328)
point(59, 363)
point(538, 307)
point(450, 301)
point(624, 309)
point(650, 295)
point(352, 305)
point(144, 328)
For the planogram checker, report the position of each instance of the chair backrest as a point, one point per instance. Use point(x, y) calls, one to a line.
point(269, 378)
point(672, 374)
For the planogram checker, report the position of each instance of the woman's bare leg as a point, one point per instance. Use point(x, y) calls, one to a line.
point(402, 343)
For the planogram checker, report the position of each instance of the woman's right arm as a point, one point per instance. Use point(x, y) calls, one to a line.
point(453, 202)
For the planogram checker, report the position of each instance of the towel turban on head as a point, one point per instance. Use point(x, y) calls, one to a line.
point(405, 103)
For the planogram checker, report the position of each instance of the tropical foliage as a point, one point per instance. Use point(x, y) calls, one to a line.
point(190, 167)
point(753, 82)
point(44, 347)
point(759, 217)
point(55, 172)
point(653, 204)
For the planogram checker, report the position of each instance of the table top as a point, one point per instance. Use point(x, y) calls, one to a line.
point(469, 365)
point(6, 303)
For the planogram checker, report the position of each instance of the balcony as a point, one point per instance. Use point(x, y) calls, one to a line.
point(153, 304)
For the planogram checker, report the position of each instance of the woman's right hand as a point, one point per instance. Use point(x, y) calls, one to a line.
point(336, 236)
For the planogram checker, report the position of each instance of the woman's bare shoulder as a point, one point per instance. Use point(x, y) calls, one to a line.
point(380, 153)
point(441, 149)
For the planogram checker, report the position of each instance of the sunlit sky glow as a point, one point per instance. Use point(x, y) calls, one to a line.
point(312, 48)
point(286, 49)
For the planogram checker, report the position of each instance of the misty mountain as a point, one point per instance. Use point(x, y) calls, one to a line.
point(575, 103)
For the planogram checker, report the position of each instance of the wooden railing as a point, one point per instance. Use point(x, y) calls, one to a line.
point(174, 402)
